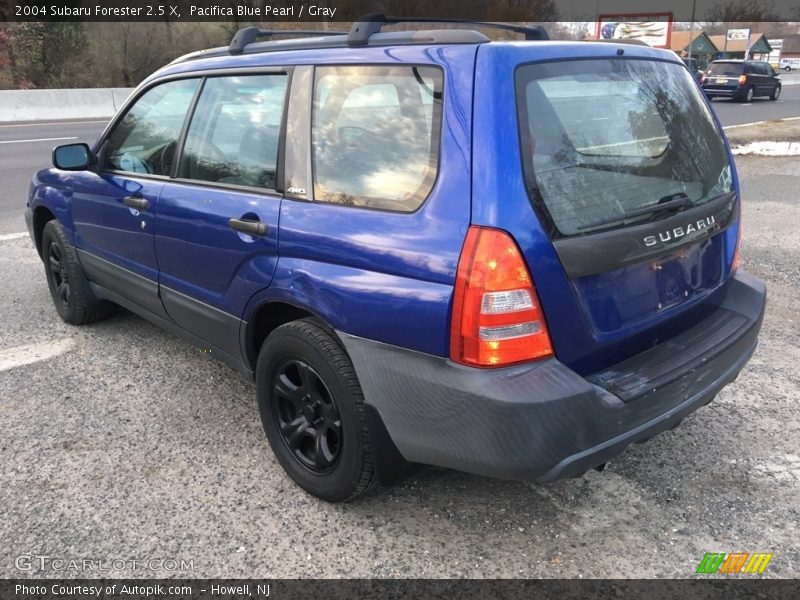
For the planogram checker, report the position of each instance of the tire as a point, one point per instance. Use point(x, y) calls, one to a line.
point(787, 69)
point(776, 93)
point(748, 96)
point(312, 410)
point(68, 286)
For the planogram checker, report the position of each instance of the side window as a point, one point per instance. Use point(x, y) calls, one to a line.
point(144, 140)
point(234, 134)
point(375, 135)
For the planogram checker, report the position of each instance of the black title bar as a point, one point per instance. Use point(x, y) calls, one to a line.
point(347, 11)
point(394, 589)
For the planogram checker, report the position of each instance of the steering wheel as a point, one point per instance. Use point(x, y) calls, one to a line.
point(168, 154)
point(165, 158)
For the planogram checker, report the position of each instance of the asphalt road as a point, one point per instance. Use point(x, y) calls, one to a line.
point(119, 441)
point(733, 112)
point(26, 147)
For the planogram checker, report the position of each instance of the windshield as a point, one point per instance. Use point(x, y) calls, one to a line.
point(603, 138)
point(726, 68)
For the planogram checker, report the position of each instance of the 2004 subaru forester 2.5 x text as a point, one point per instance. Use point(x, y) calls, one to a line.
point(509, 258)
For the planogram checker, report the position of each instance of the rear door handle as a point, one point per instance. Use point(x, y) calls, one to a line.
point(249, 227)
point(136, 202)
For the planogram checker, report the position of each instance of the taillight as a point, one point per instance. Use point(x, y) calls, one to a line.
point(735, 262)
point(497, 319)
point(742, 79)
point(703, 79)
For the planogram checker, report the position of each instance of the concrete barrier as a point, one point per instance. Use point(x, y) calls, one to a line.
point(46, 105)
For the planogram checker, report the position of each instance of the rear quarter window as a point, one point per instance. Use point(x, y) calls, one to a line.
point(375, 135)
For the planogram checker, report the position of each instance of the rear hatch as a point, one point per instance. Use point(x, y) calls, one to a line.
point(723, 75)
point(630, 177)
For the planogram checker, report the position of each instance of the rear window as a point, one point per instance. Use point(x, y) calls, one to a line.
point(603, 138)
point(726, 68)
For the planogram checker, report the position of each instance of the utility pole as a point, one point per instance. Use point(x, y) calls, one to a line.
point(691, 31)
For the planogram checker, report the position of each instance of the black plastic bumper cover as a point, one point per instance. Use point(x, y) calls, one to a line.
point(543, 421)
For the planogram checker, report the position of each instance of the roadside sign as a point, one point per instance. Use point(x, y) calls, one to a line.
point(737, 34)
point(654, 29)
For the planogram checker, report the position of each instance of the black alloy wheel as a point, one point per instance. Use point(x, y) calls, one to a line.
point(71, 293)
point(313, 412)
point(58, 273)
point(306, 415)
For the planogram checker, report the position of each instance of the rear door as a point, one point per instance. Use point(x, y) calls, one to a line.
point(774, 79)
point(757, 74)
point(628, 187)
point(217, 221)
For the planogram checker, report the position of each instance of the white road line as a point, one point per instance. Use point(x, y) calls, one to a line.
point(25, 355)
point(75, 137)
point(745, 124)
point(51, 123)
point(762, 122)
point(13, 236)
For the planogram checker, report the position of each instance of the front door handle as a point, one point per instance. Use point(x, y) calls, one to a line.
point(249, 227)
point(136, 202)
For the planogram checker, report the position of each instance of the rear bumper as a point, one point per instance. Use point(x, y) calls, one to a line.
point(725, 91)
point(543, 421)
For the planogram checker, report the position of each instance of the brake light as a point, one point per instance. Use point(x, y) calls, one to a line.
point(742, 79)
point(497, 319)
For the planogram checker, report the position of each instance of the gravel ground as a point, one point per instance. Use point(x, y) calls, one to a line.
point(132, 445)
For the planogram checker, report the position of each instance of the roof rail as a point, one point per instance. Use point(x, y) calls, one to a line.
point(371, 23)
point(248, 35)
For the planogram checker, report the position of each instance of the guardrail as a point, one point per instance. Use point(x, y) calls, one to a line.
point(45, 105)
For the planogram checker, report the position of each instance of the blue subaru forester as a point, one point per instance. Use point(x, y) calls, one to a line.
point(509, 258)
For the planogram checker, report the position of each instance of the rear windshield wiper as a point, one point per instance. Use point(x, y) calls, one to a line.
point(669, 203)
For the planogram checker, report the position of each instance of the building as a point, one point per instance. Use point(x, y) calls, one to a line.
point(696, 43)
point(791, 46)
point(757, 47)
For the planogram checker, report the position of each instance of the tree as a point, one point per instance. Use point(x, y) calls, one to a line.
point(44, 54)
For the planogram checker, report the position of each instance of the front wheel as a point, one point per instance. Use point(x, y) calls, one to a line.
point(776, 93)
point(312, 410)
point(68, 286)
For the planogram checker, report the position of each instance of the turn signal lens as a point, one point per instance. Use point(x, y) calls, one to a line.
point(497, 319)
point(735, 262)
point(742, 79)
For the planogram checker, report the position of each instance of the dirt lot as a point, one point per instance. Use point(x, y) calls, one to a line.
point(127, 443)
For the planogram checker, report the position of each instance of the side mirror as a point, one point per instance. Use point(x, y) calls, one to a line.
point(73, 157)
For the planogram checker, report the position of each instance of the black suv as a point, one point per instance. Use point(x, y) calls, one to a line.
point(741, 79)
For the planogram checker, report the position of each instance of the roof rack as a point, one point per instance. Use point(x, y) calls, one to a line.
point(361, 34)
point(371, 23)
point(248, 35)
